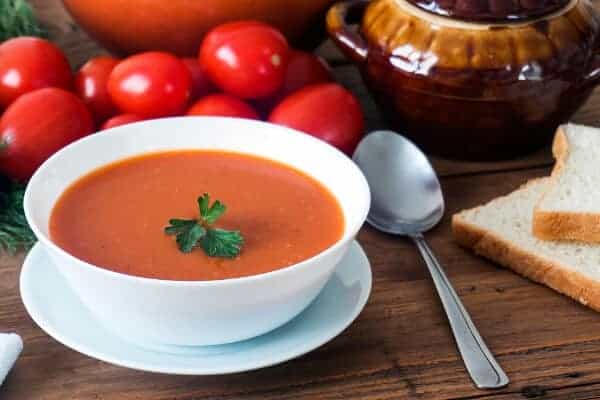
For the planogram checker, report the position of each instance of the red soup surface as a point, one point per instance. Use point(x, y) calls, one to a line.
point(115, 216)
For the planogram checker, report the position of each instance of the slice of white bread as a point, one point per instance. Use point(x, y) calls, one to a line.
point(570, 207)
point(501, 231)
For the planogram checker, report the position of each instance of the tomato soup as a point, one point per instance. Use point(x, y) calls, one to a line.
point(115, 216)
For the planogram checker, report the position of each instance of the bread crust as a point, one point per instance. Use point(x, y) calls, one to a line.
point(538, 269)
point(554, 225)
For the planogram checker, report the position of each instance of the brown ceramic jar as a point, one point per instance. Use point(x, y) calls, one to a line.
point(474, 79)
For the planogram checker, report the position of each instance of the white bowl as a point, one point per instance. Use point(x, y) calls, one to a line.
point(153, 312)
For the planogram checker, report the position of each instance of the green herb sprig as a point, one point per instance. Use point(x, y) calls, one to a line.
point(193, 233)
point(15, 233)
point(17, 19)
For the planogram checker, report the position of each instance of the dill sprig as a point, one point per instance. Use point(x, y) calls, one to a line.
point(15, 233)
point(17, 19)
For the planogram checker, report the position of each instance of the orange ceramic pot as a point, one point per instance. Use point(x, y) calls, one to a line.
point(474, 79)
point(129, 26)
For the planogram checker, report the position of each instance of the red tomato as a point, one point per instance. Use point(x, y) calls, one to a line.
point(222, 105)
point(152, 84)
point(201, 85)
point(60, 118)
point(28, 63)
point(246, 59)
point(121, 119)
point(91, 86)
point(327, 111)
point(303, 69)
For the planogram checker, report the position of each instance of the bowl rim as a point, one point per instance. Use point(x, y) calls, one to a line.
point(349, 231)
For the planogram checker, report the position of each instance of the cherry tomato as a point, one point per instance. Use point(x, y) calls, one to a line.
point(27, 64)
point(303, 69)
point(247, 59)
point(60, 118)
point(327, 111)
point(121, 119)
point(91, 86)
point(152, 84)
point(222, 105)
point(201, 85)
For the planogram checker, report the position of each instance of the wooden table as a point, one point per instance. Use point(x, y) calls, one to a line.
point(400, 346)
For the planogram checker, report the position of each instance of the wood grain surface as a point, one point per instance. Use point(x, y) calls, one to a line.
point(399, 348)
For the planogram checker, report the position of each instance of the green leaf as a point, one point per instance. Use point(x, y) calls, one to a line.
point(215, 211)
point(203, 203)
point(188, 238)
point(179, 226)
point(187, 233)
point(222, 243)
point(210, 213)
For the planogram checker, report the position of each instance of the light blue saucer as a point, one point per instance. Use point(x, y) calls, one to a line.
point(56, 309)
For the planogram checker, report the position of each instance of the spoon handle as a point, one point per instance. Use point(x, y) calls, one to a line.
point(483, 368)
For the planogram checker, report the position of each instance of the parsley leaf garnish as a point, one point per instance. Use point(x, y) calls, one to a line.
point(221, 243)
point(192, 233)
point(187, 232)
point(210, 213)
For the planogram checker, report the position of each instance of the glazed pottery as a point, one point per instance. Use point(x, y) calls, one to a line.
point(473, 79)
point(129, 26)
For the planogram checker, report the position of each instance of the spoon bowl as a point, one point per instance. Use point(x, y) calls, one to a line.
point(406, 193)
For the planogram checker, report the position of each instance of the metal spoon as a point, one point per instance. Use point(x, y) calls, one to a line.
point(407, 200)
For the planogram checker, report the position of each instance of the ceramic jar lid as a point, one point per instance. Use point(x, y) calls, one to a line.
point(491, 10)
